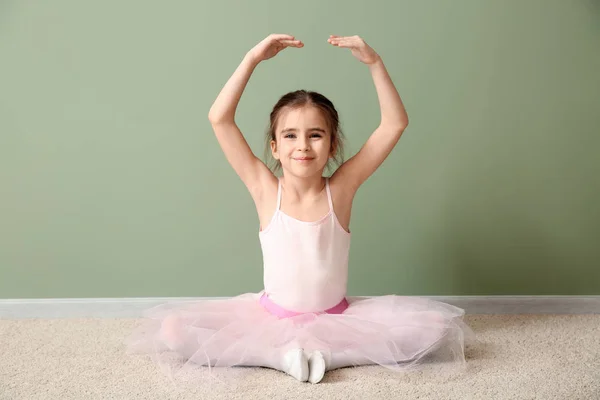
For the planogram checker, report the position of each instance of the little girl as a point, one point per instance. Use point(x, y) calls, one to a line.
point(302, 323)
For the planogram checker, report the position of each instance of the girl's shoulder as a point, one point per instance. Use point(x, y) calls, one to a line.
point(340, 189)
point(342, 197)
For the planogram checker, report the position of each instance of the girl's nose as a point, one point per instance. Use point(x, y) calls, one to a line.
point(303, 145)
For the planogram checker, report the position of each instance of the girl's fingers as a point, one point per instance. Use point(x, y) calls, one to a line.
point(335, 38)
point(341, 37)
point(343, 43)
point(282, 36)
point(347, 42)
point(291, 42)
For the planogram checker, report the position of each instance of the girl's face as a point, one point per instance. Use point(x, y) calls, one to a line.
point(303, 143)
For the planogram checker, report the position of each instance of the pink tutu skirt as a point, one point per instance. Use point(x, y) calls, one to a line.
point(399, 333)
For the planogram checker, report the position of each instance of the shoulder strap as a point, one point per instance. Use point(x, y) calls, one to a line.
point(278, 194)
point(329, 194)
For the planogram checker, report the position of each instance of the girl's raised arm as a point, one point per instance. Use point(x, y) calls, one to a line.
point(249, 168)
point(394, 119)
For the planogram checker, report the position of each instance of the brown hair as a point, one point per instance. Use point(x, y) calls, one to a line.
point(302, 98)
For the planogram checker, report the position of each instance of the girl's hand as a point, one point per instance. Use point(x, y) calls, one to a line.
point(360, 48)
point(273, 44)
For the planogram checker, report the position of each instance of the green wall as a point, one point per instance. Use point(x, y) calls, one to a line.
point(113, 185)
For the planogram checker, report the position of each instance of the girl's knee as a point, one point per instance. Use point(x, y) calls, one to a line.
point(171, 321)
point(170, 329)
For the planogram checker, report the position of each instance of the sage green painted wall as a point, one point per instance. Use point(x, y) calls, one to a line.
point(113, 185)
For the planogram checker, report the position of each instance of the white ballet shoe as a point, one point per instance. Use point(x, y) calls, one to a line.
point(295, 364)
point(316, 367)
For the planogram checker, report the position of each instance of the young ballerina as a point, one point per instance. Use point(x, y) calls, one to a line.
point(303, 323)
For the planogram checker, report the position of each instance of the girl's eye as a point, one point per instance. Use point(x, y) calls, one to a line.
point(291, 135)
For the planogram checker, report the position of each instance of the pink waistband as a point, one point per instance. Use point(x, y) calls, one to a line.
point(281, 312)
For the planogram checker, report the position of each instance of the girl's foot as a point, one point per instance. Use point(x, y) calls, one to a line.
point(296, 364)
point(316, 367)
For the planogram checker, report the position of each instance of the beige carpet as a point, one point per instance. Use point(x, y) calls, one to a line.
point(519, 357)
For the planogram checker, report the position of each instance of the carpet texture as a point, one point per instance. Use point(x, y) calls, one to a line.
point(519, 357)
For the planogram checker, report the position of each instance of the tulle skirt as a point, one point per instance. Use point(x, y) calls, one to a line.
point(194, 338)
